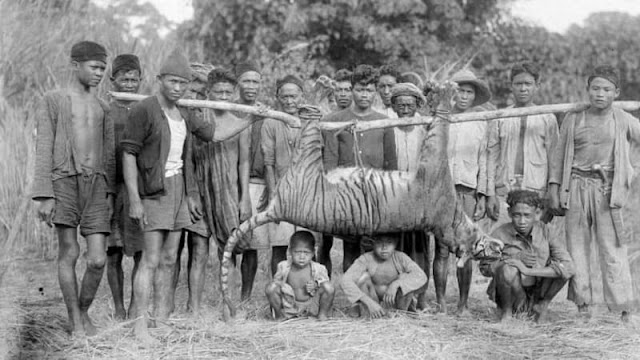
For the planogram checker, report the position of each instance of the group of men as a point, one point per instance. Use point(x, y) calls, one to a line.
point(146, 178)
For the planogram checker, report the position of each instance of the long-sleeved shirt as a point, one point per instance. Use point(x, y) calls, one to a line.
point(147, 136)
point(56, 156)
point(411, 277)
point(119, 114)
point(278, 141)
point(549, 251)
point(339, 147)
point(467, 152)
point(540, 138)
point(625, 151)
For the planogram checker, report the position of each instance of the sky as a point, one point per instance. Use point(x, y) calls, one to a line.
point(555, 15)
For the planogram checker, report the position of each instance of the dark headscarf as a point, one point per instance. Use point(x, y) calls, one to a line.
point(125, 62)
point(87, 51)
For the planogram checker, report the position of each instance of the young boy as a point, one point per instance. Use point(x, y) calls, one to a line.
point(385, 276)
point(533, 266)
point(301, 286)
point(74, 180)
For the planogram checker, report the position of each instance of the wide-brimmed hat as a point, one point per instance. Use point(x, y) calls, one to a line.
point(483, 93)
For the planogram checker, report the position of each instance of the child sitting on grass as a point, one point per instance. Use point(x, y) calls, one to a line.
point(385, 276)
point(301, 286)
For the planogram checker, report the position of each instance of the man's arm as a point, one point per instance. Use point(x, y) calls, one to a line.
point(110, 151)
point(244, 167)
point(42, 183)
point(130, 173)
point(228, 126)
point(551, 138)
point(268, 144)
point(412, 278)
point(349, 281)
point(493, 154)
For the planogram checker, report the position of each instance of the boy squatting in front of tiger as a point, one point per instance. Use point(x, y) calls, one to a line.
point(301, 286)
point(385, 276)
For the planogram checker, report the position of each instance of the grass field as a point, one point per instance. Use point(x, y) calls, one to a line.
point(33, 325)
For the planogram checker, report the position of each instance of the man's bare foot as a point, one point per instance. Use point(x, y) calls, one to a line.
point(120, 314)
point(441, 308)
point(89, 328)
point(322, 317)
point(77, 331)
point(463, 312)
point(142, 334)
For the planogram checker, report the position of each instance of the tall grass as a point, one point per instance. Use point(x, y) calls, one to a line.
point(36, 38)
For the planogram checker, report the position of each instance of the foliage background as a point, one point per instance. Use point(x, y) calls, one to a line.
point(310, 38)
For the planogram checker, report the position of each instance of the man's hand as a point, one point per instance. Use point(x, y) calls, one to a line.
point(554, 204)
point(389, 297)
point(195, 208)
point(245, 209)
point(480, 209)
point(46, 210)
point(262, 108)
point(528, 258)
point(493, 208)
point(524, 270)
point(375, 310)
point(311, 287)
point(136, 213)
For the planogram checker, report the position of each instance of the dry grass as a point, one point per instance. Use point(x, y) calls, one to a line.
point(37, 329)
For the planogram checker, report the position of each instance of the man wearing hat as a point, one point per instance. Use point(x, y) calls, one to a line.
point(74, 180)
point(590, 179)
point(124, 239)
point(278, 144)
point(249, 77)
point(163, 195)
point(405, 142)
point(467, 153)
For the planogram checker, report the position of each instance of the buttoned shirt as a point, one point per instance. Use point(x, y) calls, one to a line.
point(540, 138)
point(467, 152)
point(278, 141)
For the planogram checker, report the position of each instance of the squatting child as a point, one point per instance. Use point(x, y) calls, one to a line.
point(301, 286)
point(383, 276)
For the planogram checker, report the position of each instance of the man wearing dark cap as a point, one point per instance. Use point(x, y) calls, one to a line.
point(74, 180)
point(249, 79)
point(163, 195)
point(124, 239)
point(278, 143)
point(590, 178)
point(467, 152)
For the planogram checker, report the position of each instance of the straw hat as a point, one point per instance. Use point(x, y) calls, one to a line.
point(483, 94)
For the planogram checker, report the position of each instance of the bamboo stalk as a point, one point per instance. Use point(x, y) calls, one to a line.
point(219, 105)
point(474, 116)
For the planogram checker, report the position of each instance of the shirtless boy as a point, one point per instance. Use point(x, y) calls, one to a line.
point(383, 276)
point(301, 286)
point(75, 178)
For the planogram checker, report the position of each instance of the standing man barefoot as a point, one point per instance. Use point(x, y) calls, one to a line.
point(249, 79)
point(156, 144)
point(125, 77)
point(75, 177)
point(592, 169)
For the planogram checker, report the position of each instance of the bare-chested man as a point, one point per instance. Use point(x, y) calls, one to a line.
point(163, 195)
point(222, 173)
point(124, 239)
point(75, 178)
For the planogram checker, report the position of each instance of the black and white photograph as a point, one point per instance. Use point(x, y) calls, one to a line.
point(320, 179)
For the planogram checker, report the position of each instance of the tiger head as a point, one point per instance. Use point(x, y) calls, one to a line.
point(472, 242)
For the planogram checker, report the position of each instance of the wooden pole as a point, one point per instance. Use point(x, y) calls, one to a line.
point(474, 116)
point(219, 105)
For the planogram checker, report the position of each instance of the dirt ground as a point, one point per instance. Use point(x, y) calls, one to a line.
point(33, 325)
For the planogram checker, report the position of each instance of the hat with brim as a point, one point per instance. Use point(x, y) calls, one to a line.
point(483, 93)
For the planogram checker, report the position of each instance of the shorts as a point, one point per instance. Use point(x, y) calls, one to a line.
point(200, 228)
point(295, 308)
point(260, 235)
point(81, 200)
point(124, 232)
point(170, 211)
